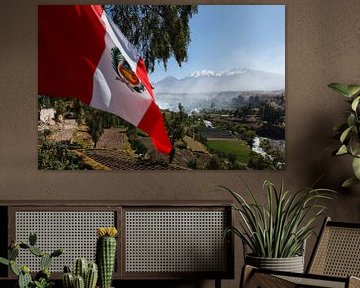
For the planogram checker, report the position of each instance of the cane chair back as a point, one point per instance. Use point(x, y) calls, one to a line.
point(337, 252)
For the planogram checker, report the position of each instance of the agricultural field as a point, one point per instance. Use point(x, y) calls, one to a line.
point(237, 147)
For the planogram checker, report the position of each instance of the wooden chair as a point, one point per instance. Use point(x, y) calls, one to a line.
point(334, 263)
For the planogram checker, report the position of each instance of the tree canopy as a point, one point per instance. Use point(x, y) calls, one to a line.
point(159, 32)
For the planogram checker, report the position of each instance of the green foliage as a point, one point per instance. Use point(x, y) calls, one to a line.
point(43, 283)
point(175, 124)
point(259, 162)
point(157, 31)
point(56, 156)
point(42, 278)
point(136, 144)
point(193, 163)
point(349, 131)
point(279, 229)
point(95, 125)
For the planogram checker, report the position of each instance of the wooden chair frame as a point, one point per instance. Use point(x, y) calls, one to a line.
point(332, 277)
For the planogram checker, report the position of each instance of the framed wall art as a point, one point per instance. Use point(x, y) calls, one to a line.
point(162, 87)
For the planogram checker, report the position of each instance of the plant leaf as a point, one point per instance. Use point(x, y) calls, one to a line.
point(342, 150)
point(345, 134)
point(356, 167)
point(351, 120)
point(340, 88)
point(349, 182)
point(4, 261)
point(355, 103)
point(353, 89)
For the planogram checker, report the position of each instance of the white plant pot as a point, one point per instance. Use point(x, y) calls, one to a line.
point(291, 264)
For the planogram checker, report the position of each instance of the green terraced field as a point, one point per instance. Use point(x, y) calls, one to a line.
point(237, 147)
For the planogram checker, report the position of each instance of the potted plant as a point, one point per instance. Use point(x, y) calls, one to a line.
point(276, 233)
point(349, 132)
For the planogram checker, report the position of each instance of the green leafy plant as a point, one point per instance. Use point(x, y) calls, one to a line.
point(42, 278)
point(349, 132)
point(279, 229)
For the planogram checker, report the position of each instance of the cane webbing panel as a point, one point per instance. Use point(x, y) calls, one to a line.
point(74, 231)
point(313, 282)
point(338, 252)
point(175, 241)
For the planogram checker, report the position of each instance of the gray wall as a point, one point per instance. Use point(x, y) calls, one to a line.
point(322, 46)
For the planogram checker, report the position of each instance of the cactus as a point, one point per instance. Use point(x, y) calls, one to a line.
point(32, 239)
point(24, 278)
point(68, 280)
point(89, 272)
point(45, 261)
point(36, 251)
point(79, 282)
point(105, 254)
point(80, 268)
point(91, 276)
point(13, 253)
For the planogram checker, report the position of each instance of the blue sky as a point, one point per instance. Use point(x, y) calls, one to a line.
point(232, 36)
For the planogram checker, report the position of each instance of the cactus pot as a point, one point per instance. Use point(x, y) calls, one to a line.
point(291, 264)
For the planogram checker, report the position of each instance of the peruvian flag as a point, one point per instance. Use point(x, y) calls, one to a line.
point(82, 54)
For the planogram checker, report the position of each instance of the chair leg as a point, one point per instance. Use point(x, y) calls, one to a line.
point(246, 274)
point(250, 278)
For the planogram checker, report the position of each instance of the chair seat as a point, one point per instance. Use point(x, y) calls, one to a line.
point(267, 279)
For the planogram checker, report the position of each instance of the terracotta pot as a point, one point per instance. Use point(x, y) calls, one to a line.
point(291, 264)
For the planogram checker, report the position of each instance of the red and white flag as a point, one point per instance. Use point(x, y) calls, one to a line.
point(82, 54)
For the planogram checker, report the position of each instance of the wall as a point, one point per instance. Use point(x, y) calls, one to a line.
point(322, 46)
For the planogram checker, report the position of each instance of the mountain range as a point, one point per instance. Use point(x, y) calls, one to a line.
point(199, 88)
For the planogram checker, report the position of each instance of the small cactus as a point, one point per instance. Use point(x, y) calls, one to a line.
point(79, 282)
point(106, 254)
point(91, 276)
point(80, 268)
point(90, 272)
point(24, 280)
point(68, 280)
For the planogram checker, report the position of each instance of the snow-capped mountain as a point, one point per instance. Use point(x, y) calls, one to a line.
point(204, 73)
point(200, 88)
point(206, 81)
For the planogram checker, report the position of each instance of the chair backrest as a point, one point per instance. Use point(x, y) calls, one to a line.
point(337, 251)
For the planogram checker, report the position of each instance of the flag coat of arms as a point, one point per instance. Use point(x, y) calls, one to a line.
point(83, 54)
